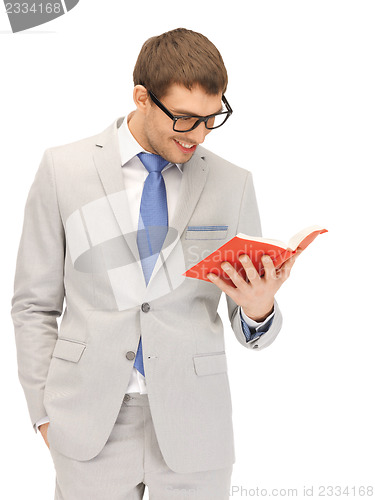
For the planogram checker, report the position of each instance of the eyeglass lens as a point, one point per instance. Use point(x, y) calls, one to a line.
point(186, 123)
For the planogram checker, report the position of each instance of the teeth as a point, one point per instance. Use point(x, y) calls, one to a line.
point(187, 146)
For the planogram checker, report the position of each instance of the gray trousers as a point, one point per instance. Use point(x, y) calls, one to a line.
point(130, 460)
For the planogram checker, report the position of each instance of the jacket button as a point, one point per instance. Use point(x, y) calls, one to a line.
point(130, 355)
point(145, 307)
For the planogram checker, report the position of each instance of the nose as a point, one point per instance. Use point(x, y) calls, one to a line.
point(198, 135)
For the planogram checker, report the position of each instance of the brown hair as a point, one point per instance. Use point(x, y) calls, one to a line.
point(180, 56)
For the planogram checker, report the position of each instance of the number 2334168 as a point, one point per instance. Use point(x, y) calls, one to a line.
point(34, 8)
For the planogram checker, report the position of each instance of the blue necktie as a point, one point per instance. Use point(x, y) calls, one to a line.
point(152, 224)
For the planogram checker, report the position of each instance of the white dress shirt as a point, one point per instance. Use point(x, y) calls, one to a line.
point(135, 174)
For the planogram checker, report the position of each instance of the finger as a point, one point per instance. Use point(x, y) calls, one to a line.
point(285, 269)
point(290, 262)
point(249, 267)
point(220, 283)
point(236, 278)
point(269, 268)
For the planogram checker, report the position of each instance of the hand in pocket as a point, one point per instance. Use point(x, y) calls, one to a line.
point(43, 430)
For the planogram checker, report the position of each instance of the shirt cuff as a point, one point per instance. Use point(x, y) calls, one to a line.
point(254, 329)
point(43, 420)
point(255, 324)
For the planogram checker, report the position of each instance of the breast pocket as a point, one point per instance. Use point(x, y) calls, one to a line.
point(206, 232)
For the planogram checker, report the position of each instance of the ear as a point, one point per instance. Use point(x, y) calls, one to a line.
point(141, 99)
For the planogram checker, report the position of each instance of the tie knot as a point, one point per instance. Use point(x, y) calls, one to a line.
point(153, 163)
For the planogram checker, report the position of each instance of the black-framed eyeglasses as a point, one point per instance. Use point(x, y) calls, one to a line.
point(190, 122)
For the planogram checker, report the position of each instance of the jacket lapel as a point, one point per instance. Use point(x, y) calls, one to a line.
point(108, 164)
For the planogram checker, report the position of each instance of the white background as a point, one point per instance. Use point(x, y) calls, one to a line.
point(301, 83)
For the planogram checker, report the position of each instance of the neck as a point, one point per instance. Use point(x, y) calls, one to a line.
point(136, 127)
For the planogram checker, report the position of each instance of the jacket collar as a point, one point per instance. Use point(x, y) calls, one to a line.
point(129, 147)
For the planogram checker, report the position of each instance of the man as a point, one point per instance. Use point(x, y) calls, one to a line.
point(133, 390)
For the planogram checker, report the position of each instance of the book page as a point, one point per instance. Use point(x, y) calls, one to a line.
point(301, 235)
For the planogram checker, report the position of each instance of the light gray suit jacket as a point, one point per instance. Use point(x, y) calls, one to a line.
point(77, 242)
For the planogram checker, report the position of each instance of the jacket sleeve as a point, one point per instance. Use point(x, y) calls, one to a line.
point(38, 286)
point(249, 223)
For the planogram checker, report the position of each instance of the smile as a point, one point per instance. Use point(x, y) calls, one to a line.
point(186, 148)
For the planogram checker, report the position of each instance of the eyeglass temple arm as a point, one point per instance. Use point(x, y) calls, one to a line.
point(161, 105)
point(226, 103)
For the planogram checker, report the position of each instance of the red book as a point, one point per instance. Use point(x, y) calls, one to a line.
point(255, 248)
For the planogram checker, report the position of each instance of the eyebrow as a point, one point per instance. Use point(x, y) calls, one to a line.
point(187, 113)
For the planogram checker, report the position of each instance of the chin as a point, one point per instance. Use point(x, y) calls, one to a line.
point(174, 157)
point(183, 158)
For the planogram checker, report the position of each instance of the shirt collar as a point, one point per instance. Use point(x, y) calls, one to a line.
point(129, 147)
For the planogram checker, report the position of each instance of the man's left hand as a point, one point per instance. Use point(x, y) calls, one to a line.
point(257, 296)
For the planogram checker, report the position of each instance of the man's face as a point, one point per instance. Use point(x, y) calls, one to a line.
point(158, 127)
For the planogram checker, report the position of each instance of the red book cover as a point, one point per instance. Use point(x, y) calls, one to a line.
point(255, 248)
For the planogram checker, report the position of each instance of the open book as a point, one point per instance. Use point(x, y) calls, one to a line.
point(255, 248)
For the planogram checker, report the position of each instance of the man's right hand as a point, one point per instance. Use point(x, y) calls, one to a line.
point(43, 430)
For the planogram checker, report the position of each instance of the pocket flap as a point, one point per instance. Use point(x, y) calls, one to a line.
point(69, 350)
point(209, 364)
